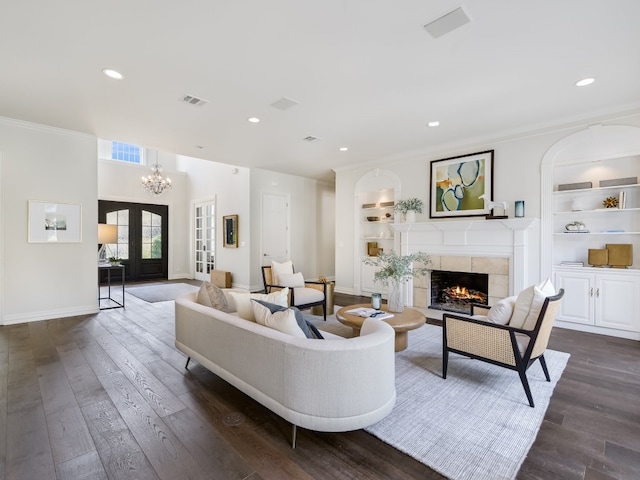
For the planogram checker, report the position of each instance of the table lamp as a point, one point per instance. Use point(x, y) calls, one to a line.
point(107, 233)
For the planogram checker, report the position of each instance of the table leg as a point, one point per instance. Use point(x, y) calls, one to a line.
point(402, 341)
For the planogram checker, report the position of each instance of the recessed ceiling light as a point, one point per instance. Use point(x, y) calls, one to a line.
point(585, 81)
point(112, 73)
point(435, 123)
point(344, 149)
point(253, 119)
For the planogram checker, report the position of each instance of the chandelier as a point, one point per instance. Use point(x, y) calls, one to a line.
point(155, 183)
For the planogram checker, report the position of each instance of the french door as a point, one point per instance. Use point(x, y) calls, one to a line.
point(204, 223)
point(143, 237)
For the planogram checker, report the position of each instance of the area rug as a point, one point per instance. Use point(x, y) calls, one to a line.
point(476, 424)
point(160, 292)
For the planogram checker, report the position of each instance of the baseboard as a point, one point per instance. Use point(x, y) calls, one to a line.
point(49, 314)
point(597, 330)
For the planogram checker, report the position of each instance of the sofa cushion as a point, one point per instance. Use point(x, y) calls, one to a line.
point(306, 326)
point(502, 311)
point(212, 296)
point(278, 269)
point(529, 303)
point(284, 320)
point(304, 295)
point(291, 280)
point(243, 301)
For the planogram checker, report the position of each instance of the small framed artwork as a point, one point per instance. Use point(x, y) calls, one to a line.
point(460, 185)
point(54, 222)
point(230, 231)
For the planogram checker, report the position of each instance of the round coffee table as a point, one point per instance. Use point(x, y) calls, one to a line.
point(409, 319)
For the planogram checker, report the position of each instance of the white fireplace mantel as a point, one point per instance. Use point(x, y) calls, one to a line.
point(510, 238)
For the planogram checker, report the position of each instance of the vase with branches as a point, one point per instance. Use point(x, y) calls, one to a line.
point(408, 208)
point(394, 271)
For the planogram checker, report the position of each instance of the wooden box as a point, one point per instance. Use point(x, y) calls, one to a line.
point(221, 279)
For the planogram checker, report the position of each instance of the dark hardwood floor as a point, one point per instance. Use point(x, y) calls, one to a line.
point(107, 396)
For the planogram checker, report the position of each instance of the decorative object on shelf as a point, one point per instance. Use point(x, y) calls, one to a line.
point(395, 270)
point(230, 231)
point(155, 183)
point(387, 215)
point(386, 204)
point(610, 202)
point(614, 182)
point(519, 208)
point(457, 184)
point(373, 219)
point(492, 205)
point(368, 205)
point(574, 186)
point(372, 249)
point(620, 254)
point(576, 205)
point(598, 257)
point(106, 234)
point(408, 208)
point(376, 300)
point(54, 222)
point(575, 227)
point(622, 199)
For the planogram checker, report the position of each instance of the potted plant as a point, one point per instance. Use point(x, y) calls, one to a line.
point(408, 208)
point(114, 261)
point(394, 271)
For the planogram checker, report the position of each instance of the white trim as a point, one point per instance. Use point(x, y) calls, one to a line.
point(44, 128)
point(50, 314)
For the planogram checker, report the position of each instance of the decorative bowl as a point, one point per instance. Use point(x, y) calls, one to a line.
point(373, 219)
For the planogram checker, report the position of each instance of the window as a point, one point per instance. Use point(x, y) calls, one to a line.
point(121, 219)
point(126, 152)
point(151, 235)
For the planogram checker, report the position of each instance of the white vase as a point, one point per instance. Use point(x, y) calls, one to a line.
point(410, 217)
point(395, 300)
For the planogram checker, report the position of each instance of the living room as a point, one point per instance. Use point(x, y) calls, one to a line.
point(45, 157)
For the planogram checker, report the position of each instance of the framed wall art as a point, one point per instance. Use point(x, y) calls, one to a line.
point(457, 183)
point(230, 231)
point(54, 222)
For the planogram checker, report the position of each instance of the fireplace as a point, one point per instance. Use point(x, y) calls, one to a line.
point(456, 291)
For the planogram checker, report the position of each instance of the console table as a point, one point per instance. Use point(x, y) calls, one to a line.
point(109, 268)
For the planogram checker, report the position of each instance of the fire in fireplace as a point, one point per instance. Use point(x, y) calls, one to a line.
point(456, 291)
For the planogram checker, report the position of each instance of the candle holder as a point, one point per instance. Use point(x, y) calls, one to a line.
point(376, 300)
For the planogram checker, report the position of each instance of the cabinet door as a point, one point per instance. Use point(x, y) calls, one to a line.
point(367, 273)
point(616, 302)
point(577, 303)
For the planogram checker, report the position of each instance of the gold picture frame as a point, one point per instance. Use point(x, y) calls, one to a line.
point(230, 231)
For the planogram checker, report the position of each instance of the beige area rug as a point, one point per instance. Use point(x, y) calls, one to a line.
point(476, 424)
point(160, 292)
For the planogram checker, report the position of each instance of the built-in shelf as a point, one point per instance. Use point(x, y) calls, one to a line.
point(565, 234)
point(595, 189)
point(600, 210)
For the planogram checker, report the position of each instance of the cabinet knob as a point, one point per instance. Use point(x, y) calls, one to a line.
point(591, 292)
point(597, 292)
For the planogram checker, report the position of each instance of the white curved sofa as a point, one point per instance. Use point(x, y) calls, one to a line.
point(330, 385)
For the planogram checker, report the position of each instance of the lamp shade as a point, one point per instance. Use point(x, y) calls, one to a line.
point(107, 233)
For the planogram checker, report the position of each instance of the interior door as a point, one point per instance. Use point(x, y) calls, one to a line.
point(204, 224)
point(142, 238)
point(275, 228)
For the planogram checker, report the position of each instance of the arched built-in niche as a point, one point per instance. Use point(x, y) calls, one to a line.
point(375, 194)
point(595, 143)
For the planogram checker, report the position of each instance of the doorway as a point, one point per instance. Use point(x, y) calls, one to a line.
point(204, 222)
point(143, 238)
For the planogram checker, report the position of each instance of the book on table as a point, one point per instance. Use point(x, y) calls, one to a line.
point(370, 313)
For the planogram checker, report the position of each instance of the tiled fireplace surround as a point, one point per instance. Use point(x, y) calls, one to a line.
point(503, 249)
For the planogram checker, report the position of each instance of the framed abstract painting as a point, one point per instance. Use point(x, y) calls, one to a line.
point(458, 183)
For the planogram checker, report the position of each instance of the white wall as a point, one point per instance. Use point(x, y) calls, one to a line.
point(41, 281)
point(517, 176)
point(311, 223)
point(230, 187)
point(120, 181)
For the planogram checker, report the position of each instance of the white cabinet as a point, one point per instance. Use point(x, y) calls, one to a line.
point(602, 298)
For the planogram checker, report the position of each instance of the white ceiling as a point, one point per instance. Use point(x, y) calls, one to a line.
point(366, 73)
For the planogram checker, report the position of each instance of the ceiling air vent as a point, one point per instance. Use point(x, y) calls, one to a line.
point(284, 103)
point(447, 23)
point(191, 100)
point(310, 139)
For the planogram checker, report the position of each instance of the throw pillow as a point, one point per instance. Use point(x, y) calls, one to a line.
point(212, 296)
point(291, 280)
point(280, 268)
point(283, 321)
point(501, 312)
point(243, 301)
point(307, 327)
point(529, 303)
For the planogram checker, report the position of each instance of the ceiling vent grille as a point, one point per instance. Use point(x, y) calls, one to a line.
point(191, 100)
point(284, 103)
point(310, 139)
point(447, 23)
